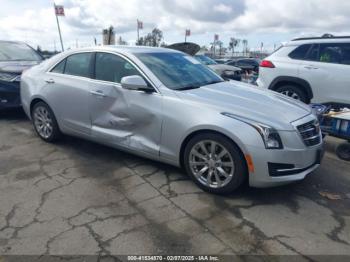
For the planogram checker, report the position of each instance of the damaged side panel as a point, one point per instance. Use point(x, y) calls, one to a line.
point(126, 117)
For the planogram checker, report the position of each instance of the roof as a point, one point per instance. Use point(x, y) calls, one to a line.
point(312, 40)
point(125, 49)
point(321, 37)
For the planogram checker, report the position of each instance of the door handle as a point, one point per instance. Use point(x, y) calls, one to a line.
point(50, 81)
point(97, 93)
point(310, 67)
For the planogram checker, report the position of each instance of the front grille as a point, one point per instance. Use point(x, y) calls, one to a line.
point(310, 133)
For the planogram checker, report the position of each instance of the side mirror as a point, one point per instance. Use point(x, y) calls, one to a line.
point(135, 82)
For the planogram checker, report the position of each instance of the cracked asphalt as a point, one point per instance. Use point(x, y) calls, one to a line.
point(80, 198)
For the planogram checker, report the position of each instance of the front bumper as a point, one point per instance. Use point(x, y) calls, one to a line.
point(9, 95)
point(279, 167)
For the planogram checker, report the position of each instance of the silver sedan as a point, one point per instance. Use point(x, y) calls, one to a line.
point(164, 105)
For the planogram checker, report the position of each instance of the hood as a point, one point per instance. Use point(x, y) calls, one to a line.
point(222, 67)
point(264, 106)
point(186, 47)
point(16, 66)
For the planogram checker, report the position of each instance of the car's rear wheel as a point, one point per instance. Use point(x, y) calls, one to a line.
point(45, 123)
point(214, 163)
point(293, 92)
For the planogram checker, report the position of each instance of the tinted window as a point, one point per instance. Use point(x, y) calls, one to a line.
point(113, 68)
point(335, 53)
point(177, 70)
point(313, 54)
point(300, 52)
point(78, 65)
point(59, 68)
point(205, 60)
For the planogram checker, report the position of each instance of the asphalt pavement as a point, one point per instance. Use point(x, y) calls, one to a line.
point(77, 197)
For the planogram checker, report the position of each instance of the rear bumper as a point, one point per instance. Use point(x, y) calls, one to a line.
point(279, 167)
point(9, 95)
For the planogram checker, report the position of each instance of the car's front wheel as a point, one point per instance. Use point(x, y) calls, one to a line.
point(214, 163)
point(45, 123)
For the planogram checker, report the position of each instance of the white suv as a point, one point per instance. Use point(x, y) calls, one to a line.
point(311, 70)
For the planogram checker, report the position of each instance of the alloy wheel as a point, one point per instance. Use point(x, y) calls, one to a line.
point(211, 164)
point(43, 122)
point(291, 94)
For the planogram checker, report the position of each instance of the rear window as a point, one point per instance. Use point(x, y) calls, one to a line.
point(59, 68)
point(300, 52)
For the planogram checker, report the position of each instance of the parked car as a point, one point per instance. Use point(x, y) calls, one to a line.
point(222, 60)
point(14, 58)
point(165, 105)
point(313, 70)
point(225, 71)
point(246, 64)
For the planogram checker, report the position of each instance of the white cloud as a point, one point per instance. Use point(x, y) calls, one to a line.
point(85, 19)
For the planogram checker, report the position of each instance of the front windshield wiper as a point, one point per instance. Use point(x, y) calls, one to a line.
point(188, 87)
point(198, 86)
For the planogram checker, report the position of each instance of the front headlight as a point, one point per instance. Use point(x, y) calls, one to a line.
point(269, 135)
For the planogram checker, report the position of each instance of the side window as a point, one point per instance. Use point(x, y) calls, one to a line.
point(314, 54)
point(78, 64)
point(346, 54)
point(300, 52)
point(113, 68)
point(338, 53)
point(59, 68)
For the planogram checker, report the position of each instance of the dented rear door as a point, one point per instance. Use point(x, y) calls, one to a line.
point(121, 117)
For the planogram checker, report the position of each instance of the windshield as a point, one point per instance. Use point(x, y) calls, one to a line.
point(205, 60)
point(178, 71)
point(17, 52)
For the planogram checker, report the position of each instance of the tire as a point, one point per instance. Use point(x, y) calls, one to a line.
point(293, 91)
point(232, 163)
point(45, 123)
point(343, 151)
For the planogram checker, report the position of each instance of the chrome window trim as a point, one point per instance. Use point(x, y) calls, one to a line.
point(97, 80)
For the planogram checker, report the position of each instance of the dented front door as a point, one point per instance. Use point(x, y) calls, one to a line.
point(123, 117)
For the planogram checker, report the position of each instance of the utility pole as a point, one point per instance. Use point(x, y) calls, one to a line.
point(139, 26)
point(138, 31)
point(59, 11)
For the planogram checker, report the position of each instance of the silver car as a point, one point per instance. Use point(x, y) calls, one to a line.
point(164, 105)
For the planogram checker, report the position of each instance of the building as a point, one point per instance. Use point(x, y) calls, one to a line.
point(108, 36)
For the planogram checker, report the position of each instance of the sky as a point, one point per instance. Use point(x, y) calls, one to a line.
point(267, 21)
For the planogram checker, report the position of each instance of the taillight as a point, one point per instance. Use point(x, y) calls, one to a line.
point(266, 63)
